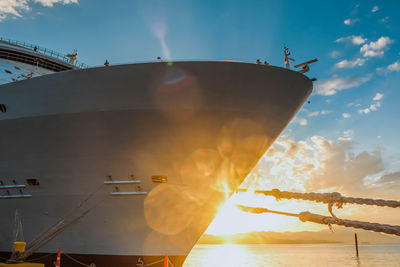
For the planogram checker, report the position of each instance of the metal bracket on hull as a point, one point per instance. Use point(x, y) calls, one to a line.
point(12, 186)
point(127, 193)
point(9, 194)
point(122, 182)
point(16, 196)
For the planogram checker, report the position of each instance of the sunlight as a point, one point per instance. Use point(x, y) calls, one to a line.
point(287, 165)
point(223, 255)
point(230, 220)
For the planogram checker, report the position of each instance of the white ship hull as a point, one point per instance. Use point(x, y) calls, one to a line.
point(204, 125)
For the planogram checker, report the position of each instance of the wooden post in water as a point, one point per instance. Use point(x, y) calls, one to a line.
point(355, 239)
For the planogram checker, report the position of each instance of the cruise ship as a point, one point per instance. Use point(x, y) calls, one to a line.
point(127, 165)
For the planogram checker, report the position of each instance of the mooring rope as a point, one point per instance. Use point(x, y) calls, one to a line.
point(4, 259)
point(41, 257)
point(61, 225)
point(35, 259)
point(328, 198)
point(76, 261)
point(376, 227)
point(320, 219)
point(152, 263)
point(92, 264)
point(155, 262)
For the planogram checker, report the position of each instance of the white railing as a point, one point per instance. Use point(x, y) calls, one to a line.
point(45, 51)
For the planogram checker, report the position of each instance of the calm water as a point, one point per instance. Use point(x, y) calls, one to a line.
point(294, 255)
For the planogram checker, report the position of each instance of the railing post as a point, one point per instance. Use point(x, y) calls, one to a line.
point(356, 243)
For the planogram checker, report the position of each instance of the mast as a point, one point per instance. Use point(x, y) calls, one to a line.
point(287, 58)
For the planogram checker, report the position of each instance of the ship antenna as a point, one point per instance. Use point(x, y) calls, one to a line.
point(287, 58)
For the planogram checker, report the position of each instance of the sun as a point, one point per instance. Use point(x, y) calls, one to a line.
point(231, 220)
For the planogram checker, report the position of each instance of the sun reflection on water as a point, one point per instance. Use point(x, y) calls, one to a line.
point(222, 255)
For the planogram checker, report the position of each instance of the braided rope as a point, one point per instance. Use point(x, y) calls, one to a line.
point(77, 261)
point(320, 219)
point(376, 227)
point(329, 198)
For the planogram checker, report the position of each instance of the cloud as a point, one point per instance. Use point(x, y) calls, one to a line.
point(346, 115)
point(348, 133)
point(357, 62)
point(390, 178)
point(394, 67)
point(335, 54)
point(50, 3)
point(355, 9)
point(13, 8)
point(372, 107)
point(318, 163)
point(354, 39)
point(374, 9)
point(301, 121)
point(384, 20)
point(350, 22)
point(372, 53)
point(374, 49)
point(353, 104)
point(378, 97)
point(324, 112)
point(316, 113)
point(332, 85)
point(16, 8)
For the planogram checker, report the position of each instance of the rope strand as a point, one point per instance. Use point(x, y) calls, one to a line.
point(320, 219)
point(76, 261)
point(328, 198)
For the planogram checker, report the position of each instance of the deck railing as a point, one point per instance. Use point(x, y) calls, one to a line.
point(45, 51)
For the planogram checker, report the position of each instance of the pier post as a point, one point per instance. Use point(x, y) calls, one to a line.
point(356, 243)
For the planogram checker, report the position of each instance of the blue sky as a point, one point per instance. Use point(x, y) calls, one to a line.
point(355, 104)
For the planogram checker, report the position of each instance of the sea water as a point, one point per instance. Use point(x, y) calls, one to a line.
point(294, 255)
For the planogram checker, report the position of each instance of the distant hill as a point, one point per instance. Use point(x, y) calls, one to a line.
point(339, 235)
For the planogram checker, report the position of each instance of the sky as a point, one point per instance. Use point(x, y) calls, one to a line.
point(346, 139)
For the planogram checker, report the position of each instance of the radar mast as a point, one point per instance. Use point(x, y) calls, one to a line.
point(287, 58)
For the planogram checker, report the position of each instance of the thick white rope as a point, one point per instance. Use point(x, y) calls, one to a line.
point(320, 219)
point(376, 227)
point(329, 198)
